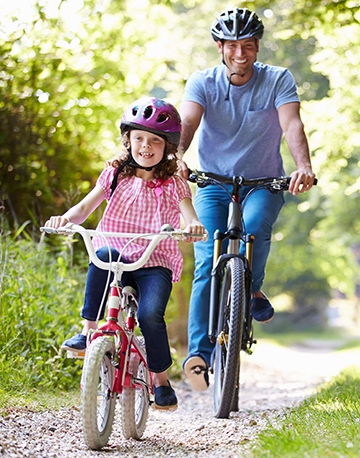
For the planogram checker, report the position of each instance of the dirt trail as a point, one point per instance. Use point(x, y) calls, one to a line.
point(272, 379)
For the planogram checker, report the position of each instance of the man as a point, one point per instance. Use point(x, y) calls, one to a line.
point(243, 108)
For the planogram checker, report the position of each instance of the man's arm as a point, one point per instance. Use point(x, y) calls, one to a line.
point(191, 114)
point(291, 124)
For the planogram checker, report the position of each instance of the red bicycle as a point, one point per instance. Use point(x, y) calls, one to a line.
point(115, 364)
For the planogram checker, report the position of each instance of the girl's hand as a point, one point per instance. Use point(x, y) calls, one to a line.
point(57, 221)
point(194, 228)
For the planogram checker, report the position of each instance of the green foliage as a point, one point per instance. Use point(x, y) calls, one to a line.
point(66, 76)
point(327, 424)
point(68, 71)
point(40, 301)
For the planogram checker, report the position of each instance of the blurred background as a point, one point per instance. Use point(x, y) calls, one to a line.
point(68, 69)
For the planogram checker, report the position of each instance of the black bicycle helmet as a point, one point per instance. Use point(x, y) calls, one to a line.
point(237, 24)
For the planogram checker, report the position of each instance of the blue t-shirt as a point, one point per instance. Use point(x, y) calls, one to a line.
point(242, 135)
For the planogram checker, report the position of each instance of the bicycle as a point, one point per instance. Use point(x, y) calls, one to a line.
point(115, 359)
point(230, 321)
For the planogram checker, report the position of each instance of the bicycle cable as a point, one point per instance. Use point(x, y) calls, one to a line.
point(104, 297)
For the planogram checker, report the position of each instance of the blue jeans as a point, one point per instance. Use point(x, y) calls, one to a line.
point(211, 204)
point(153, 286)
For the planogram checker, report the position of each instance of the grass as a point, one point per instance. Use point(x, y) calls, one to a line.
point(36, 400)
point(325, 425)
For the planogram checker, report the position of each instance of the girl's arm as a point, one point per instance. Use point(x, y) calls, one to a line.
point(80, 211)
point(191, 219)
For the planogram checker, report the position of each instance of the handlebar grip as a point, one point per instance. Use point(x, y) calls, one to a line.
point(48, 230)
point(63, 230)
point(204, 237)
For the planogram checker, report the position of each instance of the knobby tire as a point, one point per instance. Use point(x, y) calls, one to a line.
point(229, 335)
point(97, 404)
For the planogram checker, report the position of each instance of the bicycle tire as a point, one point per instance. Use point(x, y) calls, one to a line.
point(134, 402)
point(97, 404)
point(229, 335)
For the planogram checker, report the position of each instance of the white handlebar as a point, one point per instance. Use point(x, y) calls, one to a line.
point(166, 232)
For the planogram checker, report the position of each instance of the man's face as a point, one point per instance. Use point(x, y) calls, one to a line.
point(239, 55)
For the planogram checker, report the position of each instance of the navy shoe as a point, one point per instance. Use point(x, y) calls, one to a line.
point(165, 398)
point(77, 342)
point(261, 310)
point(196, 370)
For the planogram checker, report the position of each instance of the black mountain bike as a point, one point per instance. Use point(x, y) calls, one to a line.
point(230, 320)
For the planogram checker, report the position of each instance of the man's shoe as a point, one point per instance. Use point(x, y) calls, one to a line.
point(196, 371)
point(261, 310)
point(75, 343)
point(165, 397)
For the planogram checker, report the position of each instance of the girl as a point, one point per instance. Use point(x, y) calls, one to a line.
point(142, 193)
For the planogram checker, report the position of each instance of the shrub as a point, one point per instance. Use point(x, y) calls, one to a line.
point(41, 296)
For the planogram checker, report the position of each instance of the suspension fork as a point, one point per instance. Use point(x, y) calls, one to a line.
point(247, 337)
point(215, 286)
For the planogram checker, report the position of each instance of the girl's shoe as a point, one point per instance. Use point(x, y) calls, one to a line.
point(165, 398)
point(77, 342)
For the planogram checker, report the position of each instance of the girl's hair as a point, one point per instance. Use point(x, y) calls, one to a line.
point(165, 169)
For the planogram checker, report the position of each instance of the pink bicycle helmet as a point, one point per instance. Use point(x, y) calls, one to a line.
point(153, 115)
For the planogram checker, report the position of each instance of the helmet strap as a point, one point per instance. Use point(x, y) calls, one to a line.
point(232, 74)
point(135, 165)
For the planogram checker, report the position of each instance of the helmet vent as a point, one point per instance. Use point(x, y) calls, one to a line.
point(148, 112)
point(163, 117)
point(135, 111)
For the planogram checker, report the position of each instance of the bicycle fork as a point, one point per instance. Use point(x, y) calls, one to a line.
point(219, 261)
point(127, 347)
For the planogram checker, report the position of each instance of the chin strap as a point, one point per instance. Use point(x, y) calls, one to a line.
point(232, 74)
point(228, 91)
point(130, 161)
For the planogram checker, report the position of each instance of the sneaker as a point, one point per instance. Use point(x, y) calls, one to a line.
point(261, 310)
point(165, 397)
point(196, 370)
point(77, 342)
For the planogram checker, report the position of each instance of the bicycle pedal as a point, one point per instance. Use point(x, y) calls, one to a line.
point(75, 354)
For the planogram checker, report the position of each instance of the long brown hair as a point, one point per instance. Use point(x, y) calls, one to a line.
point(165, 169)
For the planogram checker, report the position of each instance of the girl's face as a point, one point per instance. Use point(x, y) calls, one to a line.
point(147, 149)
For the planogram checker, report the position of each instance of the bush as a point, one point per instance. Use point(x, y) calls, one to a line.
point(41, 296)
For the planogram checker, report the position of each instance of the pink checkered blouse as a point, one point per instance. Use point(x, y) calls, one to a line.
point(135, 207)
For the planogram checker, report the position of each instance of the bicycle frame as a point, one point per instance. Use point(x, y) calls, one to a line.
point(235, 234)
point(126, 343)
point(115, 366)
point(230, 320)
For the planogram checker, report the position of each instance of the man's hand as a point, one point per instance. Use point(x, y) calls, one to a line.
point(301, 180)
point(182, 169)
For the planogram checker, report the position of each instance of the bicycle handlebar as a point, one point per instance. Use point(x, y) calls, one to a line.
point(203, 179)
point(167, 231)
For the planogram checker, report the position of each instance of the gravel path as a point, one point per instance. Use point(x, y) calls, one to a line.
point(272, 379)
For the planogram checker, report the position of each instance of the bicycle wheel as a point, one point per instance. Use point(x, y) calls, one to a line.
point(97, 404)
point(228, 343)
point(134, 402)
